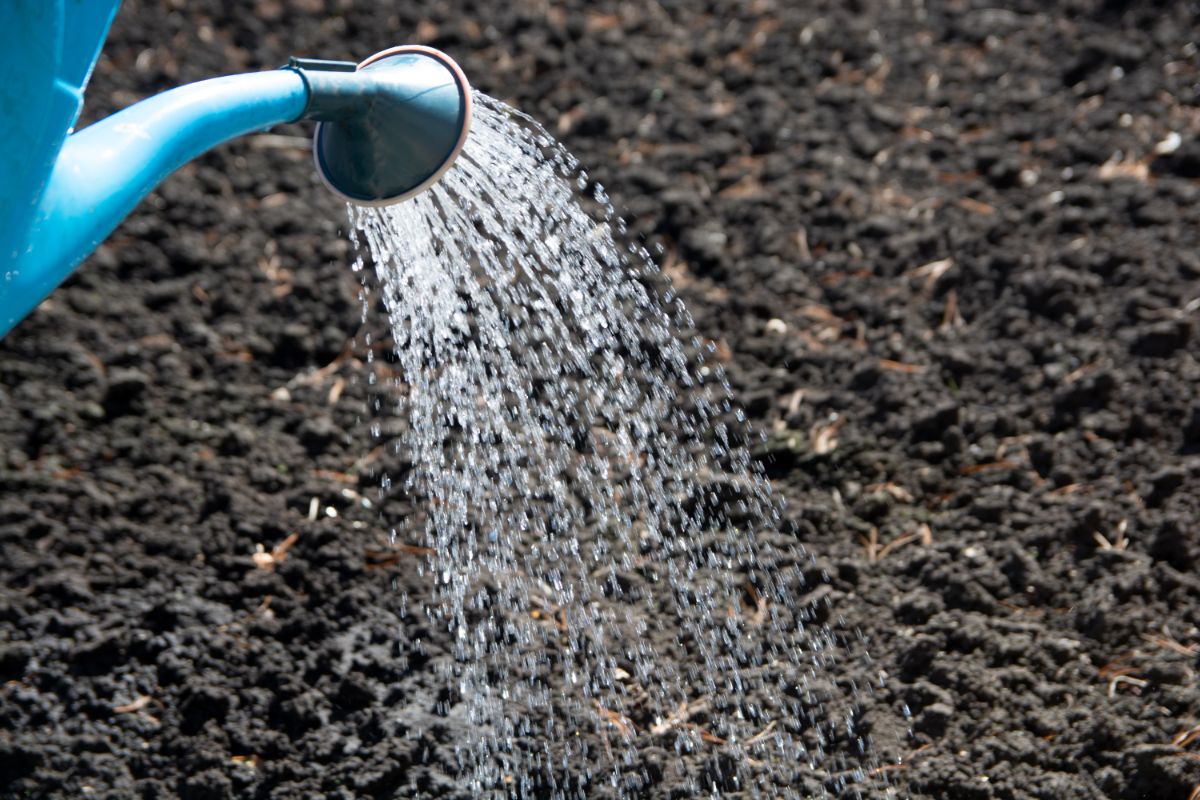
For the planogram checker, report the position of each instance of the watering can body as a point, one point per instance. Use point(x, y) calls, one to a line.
point(389, 128)
point(50, 48)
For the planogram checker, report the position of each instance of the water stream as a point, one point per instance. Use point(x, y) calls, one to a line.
point(627, 608)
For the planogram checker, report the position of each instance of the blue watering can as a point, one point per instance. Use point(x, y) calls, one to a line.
point(388, 129)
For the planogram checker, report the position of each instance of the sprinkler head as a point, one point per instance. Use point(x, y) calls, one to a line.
point(409, 121)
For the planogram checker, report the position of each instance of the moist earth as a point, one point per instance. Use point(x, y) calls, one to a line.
point(946, 252)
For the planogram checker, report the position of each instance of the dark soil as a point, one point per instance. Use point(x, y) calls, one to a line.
point(958, 242)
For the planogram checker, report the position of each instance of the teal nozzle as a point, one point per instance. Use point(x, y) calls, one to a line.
point(398, 130)
point(389, 127)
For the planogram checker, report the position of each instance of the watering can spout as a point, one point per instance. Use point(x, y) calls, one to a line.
point(392, 129)
point(388, 128)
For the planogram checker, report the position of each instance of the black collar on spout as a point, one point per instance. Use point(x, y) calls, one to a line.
point(320, 64)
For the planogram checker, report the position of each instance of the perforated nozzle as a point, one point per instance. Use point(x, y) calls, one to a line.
point(389, 130)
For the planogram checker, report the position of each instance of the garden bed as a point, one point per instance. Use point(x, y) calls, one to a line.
point(948, 254)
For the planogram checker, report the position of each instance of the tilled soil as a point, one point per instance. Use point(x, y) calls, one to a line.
point(950, 257)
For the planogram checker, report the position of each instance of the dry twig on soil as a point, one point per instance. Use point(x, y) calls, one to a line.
point(267, 560)
point(136, 705)
point(1119, 542)
point(1167, 642)
point(1185, 738)
point(619, 721)
point(923, 534)
point(385, 559)
point(902, 763)
point(823, 436)
point(900, 366)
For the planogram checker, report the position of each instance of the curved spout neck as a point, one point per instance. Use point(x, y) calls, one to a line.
point(104, 170)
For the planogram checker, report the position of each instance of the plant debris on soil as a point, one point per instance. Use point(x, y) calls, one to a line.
point(948, 253)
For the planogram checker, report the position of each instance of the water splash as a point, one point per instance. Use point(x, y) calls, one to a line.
point(626, 609)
